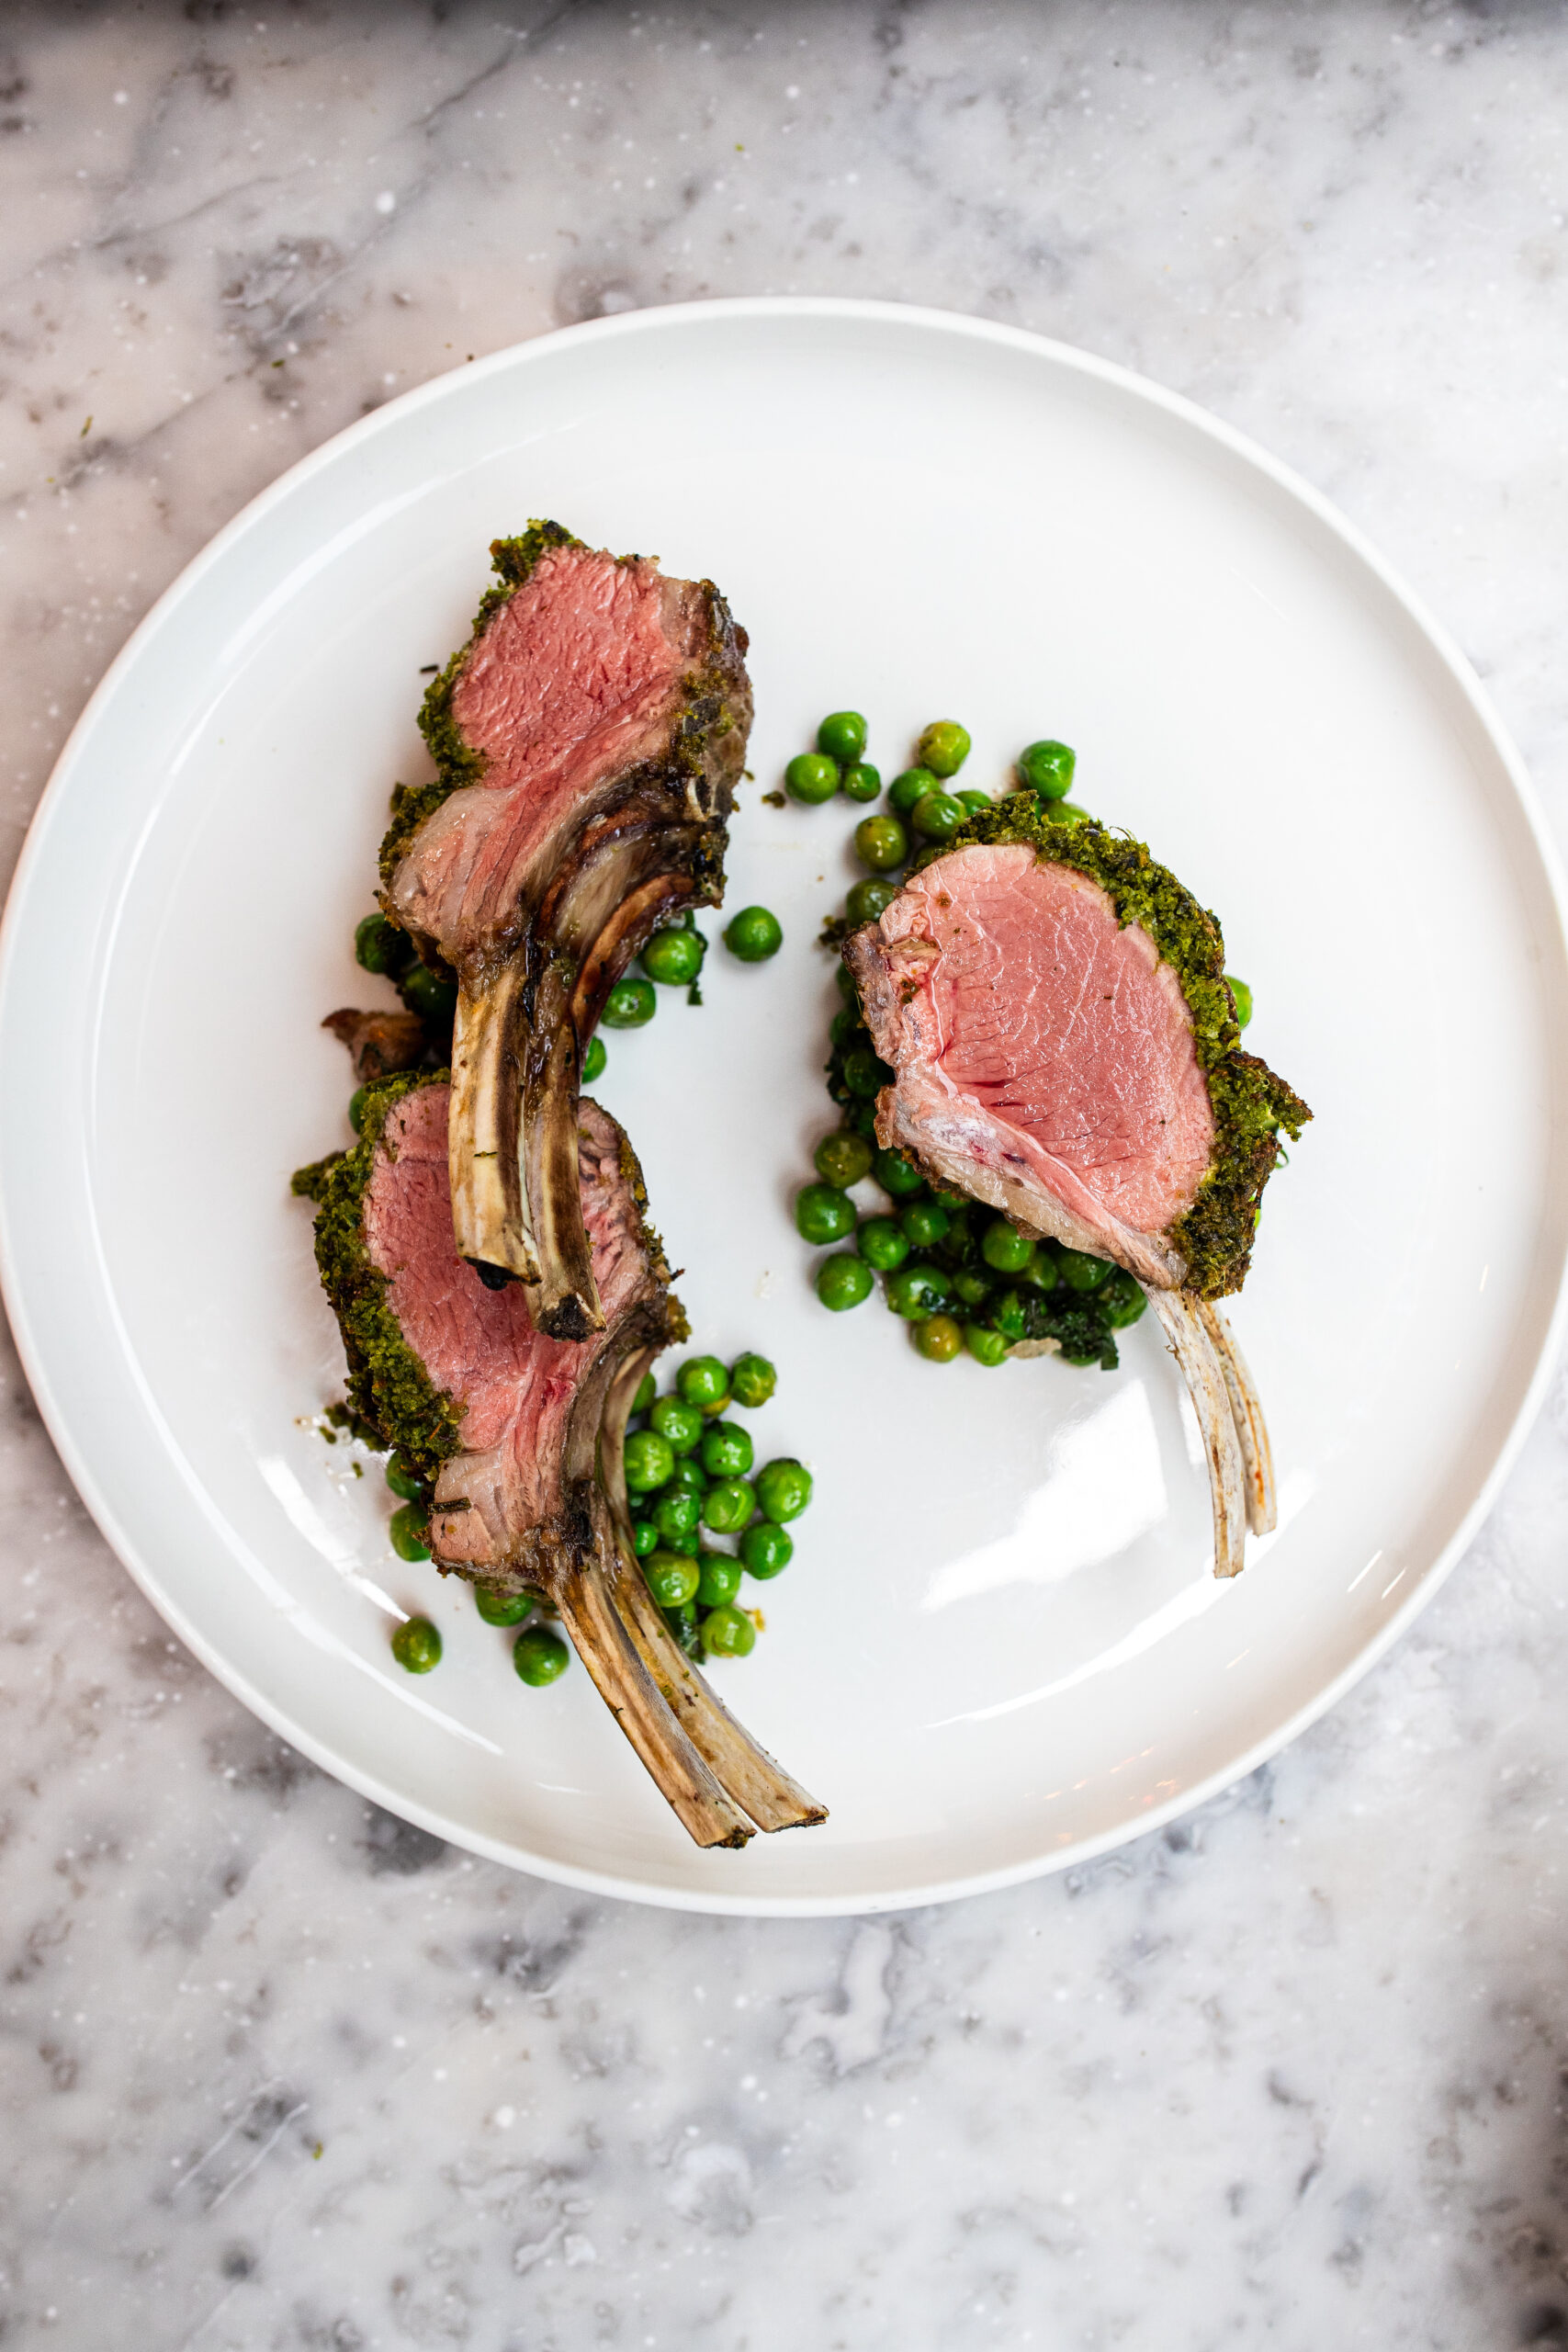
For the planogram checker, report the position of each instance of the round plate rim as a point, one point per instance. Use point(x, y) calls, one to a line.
point(31, 1349)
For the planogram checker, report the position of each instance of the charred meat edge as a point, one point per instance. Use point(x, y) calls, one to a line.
point(653, 849)
point(707, 1765)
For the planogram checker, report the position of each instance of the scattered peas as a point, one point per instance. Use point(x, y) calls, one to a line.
point(823, 1213)
point(689, 1475)
point(381, 946)
point(939, 816)
point(647, 1389)
point(973, 1287)
point(925, 1222)
point(357, 1108)
point(540, 1657)
point(406, 1532)
point(402, 1480)
point(881, 842)
point(883, 1243)
point(943, 747)
point(1081, 1271)
point(984, 1345)
point(676, 1513)
point(416, 1645)
point(843, 1281)
point(752, 1380)
point(865, 1072)
point(645, 1537)
point(424, 994)
point(688, 1545)
point(783, 1488)
point(860, 782)
point(729, 1633)
point(841, 735)
point(1067, 812)
point(906, 791)
point(649, 1460)
point(718, 1581)
point(766, 1550)
point(702, 1381)
point(844, 1159)
point(897, 1176)
point(866, 899)
point(680, 1423)
point(938, 1338)
point(811, 777)
point(672, 1578)
point(674, 958)
point(498, 1608)
point(974, 799)
point(918, 1291)
point(728, 1507)
point(753, 935)
point(1238, 989)
point(1122, 1298)
point(727, 1449)
point(594, 1060)
point(1003, 1247)
point(629, 1004)
point(1047, 768)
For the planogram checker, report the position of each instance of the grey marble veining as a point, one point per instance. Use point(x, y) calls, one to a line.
point(279, 2071)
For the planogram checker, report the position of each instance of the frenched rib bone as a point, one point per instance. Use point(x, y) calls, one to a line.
point(1051, 1059)
point(522, 1436)
point(589, 739)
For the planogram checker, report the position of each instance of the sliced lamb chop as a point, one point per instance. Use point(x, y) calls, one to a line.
point(519, 1436)
point(587, 739)
point(1064, 1045)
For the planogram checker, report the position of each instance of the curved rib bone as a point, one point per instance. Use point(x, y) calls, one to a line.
point(1252, 1431)
point(1184, 1328)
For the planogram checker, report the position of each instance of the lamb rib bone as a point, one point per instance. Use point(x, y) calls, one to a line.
point(1064, 1045)
point(588, 740)
point(520, 1437)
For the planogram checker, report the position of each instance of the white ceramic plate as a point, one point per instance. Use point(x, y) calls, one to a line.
point(999, 1648)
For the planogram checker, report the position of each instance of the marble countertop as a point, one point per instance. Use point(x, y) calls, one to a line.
point(281, 2071)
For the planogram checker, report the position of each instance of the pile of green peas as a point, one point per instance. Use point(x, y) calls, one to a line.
point(689, 1472)
point(538, 1654)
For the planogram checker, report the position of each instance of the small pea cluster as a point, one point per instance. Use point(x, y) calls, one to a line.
point(687, 1470)
point(538, 1654)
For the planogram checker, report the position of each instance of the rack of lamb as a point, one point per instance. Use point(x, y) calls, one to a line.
point(1063, 1044)
point(587, 739)
point(519, 1436)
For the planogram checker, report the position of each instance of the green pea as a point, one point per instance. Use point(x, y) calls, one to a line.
point(594, 1060)
point(752, 1380)
point(647, 1389)
point(925, 1223)
point(416, 1645)
point(939, 816)
point(356, 1103)
point(403, 1482)
point(1047, 768)
point(766, 1550)
point(846, 1023)
point(676, 1513)
point(898, 1175)
point(1080, 1272)
point(938, 1338)
point(498, 1608)
point(702, 1381)
point(906, 791)
point(861, 782)
point(1243, 996)
point(860, 1118)
point(822, 1213)
point(841, 735)
point(918, 1291)
point(881, 842)
point(679, 1423)
point(727, 1449)
point(674, 958)
point(842, 1158)
point(974, 799)
point(645, 1537)
point(866, 899)
point(883, 1243)
point(381, 946)
point(539, 1656)
point(865, 1073)
point(986, 1346)
point(943, 747)
point(1043, 1272)
point(629, 1004)
point(971, 1286)
point(407, 1531)
point(422, 992)
point(689, 1476)
point(1122, 1298)
point(784, 1490)
point(672, 1578)
point(1002, 1246)
point(843, 1281)
point(728, 1506)
point(1066, 812)
point(719, 1580)
point(649, 1459)
point(753, 935)
point(811, 777)
point(729, 1633)
point(845, 979)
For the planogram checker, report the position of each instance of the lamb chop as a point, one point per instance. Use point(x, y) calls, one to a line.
point(519, 1436)
point(588, 739)
point(1063, 1044)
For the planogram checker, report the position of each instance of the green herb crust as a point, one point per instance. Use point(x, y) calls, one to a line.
point(1250, 1103)
point(630, 1166)
point(388, 1387)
